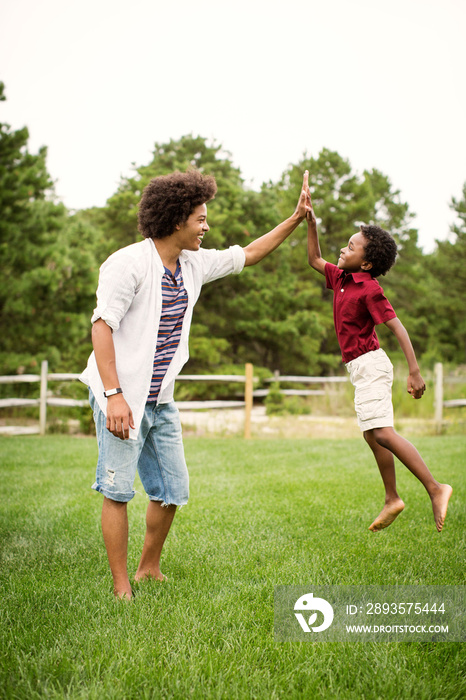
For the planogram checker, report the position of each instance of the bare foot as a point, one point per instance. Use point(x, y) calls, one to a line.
point(123, 595)
point(387, 515)
point(149, 575)
point(440, 504)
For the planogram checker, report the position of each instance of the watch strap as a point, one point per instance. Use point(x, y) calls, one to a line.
point(112, 392)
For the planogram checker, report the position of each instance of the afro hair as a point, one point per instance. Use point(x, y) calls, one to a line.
point(168, 200)
point(380, 249)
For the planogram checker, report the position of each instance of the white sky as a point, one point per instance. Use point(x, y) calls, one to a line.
point(380, 81)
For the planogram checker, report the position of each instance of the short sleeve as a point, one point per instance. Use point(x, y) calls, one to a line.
point(379, 307)
point(219, 263)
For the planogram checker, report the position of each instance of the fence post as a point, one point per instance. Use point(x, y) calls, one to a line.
point(43, 397)
point(248, 387)
point(438, 400)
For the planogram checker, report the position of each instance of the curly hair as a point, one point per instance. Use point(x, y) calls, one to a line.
point(380, 249)
point(168, 200)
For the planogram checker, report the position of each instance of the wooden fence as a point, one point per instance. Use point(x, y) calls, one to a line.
point(247, 379)
point(46, 400)
point(439, 402)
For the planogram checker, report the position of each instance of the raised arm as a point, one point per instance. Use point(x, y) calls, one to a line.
point(314, 256)
point(258, 249)
point(119, 414)
point(415, 384)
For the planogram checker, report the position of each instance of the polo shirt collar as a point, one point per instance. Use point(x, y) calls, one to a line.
point(358, 277)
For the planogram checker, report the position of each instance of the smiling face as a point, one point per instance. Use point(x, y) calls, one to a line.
point(352, 258)
point(189, 235)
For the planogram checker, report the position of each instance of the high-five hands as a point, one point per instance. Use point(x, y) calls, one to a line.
point(310, 216)
point(304, 206)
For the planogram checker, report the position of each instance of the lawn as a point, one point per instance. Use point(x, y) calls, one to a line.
point(262, 513)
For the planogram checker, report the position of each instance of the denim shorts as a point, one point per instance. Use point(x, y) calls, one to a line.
point(157, 455)
point(371, 375)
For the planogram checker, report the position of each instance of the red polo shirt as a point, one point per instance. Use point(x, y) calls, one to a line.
point(359, 305)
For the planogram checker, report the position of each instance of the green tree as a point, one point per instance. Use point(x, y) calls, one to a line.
point(47, 269)
point(119, 217)
point(444, 307)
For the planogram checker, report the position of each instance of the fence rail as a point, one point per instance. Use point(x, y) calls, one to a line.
point(247, 379)
point(439, 402)
point(290, 379)
point(45, 400)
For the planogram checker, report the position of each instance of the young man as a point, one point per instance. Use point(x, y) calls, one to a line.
point(358, 306)
point(145, 301)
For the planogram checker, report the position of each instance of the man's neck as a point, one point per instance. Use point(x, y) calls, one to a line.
point(169, 253)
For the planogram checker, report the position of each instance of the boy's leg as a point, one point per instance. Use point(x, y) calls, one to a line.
point(115, 533)
point(158, 522)
point(410, 457)
point(386, 464)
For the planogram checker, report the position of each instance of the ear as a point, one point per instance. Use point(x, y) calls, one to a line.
point(366, 266)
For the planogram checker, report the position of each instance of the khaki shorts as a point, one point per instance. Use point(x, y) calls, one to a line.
point(371, 375)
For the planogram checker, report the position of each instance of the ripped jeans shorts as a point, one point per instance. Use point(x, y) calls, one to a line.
point(157, 455)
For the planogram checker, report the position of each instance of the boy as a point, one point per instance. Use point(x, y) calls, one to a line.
point(140, 331)
point(358, 306)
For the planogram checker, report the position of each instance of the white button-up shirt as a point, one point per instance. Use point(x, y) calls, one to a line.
point(129, 300)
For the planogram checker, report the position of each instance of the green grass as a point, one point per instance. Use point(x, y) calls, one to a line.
point(262, 513)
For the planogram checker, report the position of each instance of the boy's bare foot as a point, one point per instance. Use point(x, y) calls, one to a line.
point(387, 515)
point(440, 504)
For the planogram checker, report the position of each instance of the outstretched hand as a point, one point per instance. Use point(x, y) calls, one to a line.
point(304, 206)
point(310, 216)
